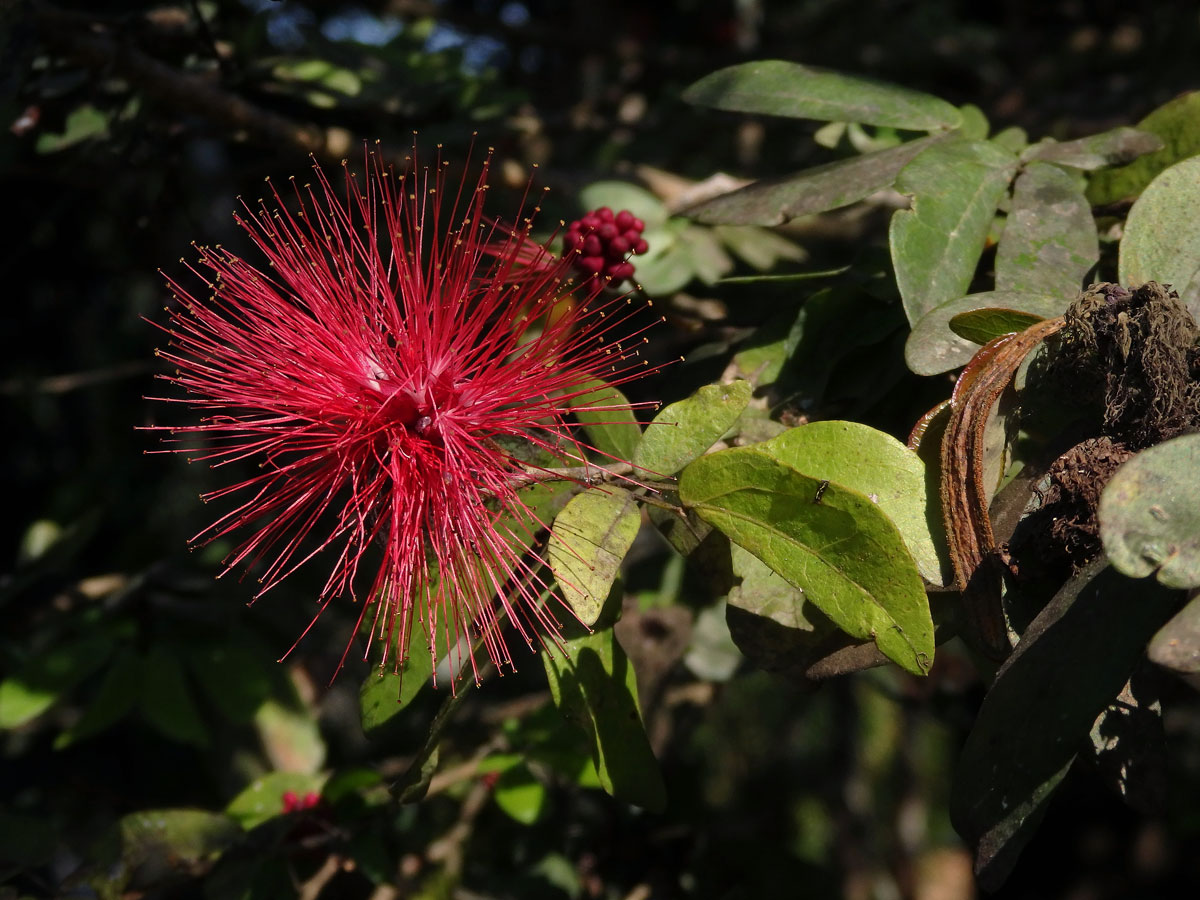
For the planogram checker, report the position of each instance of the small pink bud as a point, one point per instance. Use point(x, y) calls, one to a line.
point(638, 225)
point(617, 248)
point(640, 246)
point(621, 271)
point(592, 246)
point(624, 219)
point(291, 802)
point(605, 214)
point(593, 264)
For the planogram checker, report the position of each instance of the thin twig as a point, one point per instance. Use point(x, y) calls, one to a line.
point(588, 475)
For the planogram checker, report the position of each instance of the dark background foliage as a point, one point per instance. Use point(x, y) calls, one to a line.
point(130, 131)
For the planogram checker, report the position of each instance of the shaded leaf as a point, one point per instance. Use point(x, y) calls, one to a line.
point(1109, 148)
point(262, 799)
point(936, 244)
point(761, 248)
point(1177, 124)
point(1162, 234)
point(589, 540)
point(166, 699)
point(595, 688)
point(933, 348)
point(610, 425)
point(786, 279)
point(1069, 665)
point(826, 539)
point(47, 675)
point(774, 201)
point(684, 430)
point(1150, 514)
point(770, 620)
point(117, 695)
point(779, 88)
point(1049, 243)
point(979, 326)
point(233, 676)
point(1128, 744)
point(880, 468)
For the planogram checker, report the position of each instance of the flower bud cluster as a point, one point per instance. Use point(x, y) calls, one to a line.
point(604, 242)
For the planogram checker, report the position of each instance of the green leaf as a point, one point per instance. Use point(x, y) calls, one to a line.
point(933, 348)
point(1162, 234)
point(1109, 148)
point(830, 186)
point(1069, 665)
point(1150, 514)
point(619, 195)
point(1049, 243)
point(759, 247)
point(233, 676)
point(684, 430)
point(826, 539)
point(1013, 139)
point(166, 701)
point(83, 123)
point(880, 468)
point(117, 695)
point(1176, 646)
point(595, 688)
point(589, 539)
point(291, 736)
point(982, 325)
point(936, 244)
point(179, 835)
point(385, 694)
point(1177, 124)
point(771, 621)
point(517, 791)
point(262, 799)
point(779, 88)
point(609, 421)
point(49, 674)
point(974, 126)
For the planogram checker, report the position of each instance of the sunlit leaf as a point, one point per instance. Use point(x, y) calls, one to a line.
point(877, 466)
point(1108, 148)
point(774, 201)
point(611, 425)
point(826, 539)
point(263, 798)
point(684, 430)
point(779, 88)
point(1177, 125)
point(933, 348)
point(955, 188)
point(1162, 234)
point(589, 540)
point(1150, 514)
point(1049, 243)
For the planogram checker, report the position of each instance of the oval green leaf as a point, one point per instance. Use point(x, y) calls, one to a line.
point(932, 348)
point(262, 799)
point(830, 186)
point(1049, 243)
point(778, 88)
point(936, 244)
point(684, 430)
point(608, 420)
point(982, 325)
point(384, 695)
point(1162, 234)
point(1150, 514)
point(828, 540)
point(880, 468)
point(1109, 148)
point(595, 689)
point(589, 539)
point(1177, 125)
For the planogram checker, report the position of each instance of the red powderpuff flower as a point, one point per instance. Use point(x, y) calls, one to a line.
point(375, 371)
